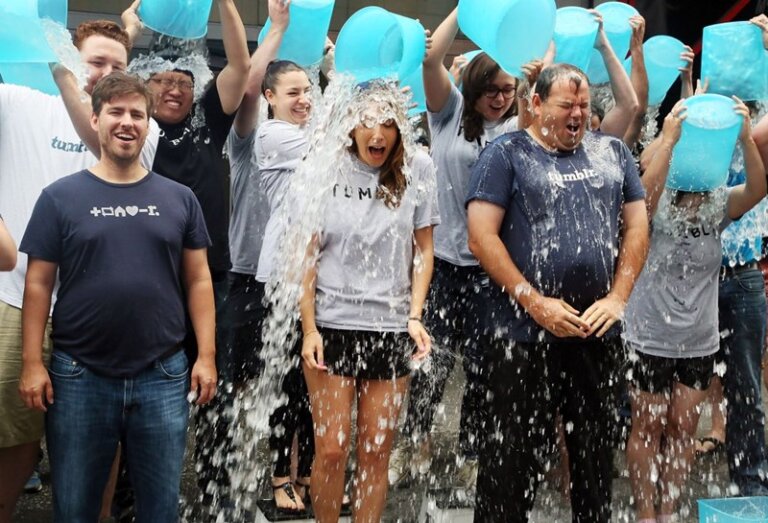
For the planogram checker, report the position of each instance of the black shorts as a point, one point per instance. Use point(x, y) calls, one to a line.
point(656, 374)
point(367, 355)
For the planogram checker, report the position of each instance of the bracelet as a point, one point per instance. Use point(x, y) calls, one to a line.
point(313, 331)
point(414, 318)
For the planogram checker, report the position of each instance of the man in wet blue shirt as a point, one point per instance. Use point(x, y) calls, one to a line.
point(557, 218)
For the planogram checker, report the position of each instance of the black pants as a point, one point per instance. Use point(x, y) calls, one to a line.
point(528, 384)
point(453, 310)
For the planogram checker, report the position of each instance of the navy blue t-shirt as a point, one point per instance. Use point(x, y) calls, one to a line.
point(562, 221)
point(119, 251)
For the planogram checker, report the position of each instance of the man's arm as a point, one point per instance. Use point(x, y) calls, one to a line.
point(555, 315)
point(131, 22)
point(639, 78)
point(7, 249)
point(602, 314)
point(202, 312)
point(743, 197)
point(78, 104)
point(35, 384)
point(232, 80)
point(245, 121)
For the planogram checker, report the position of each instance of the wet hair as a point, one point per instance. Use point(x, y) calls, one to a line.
point(275, 70)
point(478, 75)
point(117, 85)
point(556, 72)
point(105, 28)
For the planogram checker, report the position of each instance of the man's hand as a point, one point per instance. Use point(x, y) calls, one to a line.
point(457, 67)
point(131, 21)
point(602, 314)
point(601, 42)
point(279, 13)
point(532, 70)
point(558, 317)
point(637, 23)
point(761, 21)
point(35, 386)
point(203, 382)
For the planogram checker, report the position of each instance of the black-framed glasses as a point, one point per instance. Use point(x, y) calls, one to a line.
point(492, 91)
point(169, 83)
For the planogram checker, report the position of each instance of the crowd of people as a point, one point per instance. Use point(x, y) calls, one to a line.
point(530, 235)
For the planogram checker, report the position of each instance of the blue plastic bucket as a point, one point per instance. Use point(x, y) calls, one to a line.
point(36, 76)
point(22, 39)
point(471, 55)
point(733, 59)
point(662, 63)
point(56, 10)
point(26, 8)
point(512, 32)
point(186, 19)
point(375, 43)
point(701, 158)
point(575, 32)
point(616, 17)
point(733, 510)
point(415, 81)
point(304, 40)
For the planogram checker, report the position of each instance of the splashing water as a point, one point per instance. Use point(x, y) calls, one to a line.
point(197, 64)
point(66, 53)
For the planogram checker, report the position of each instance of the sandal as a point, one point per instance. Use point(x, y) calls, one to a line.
point(287, 487)
point(306, 497)
point(710, 446)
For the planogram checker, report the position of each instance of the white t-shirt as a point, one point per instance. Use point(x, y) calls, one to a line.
point(454, 157)
point(366, 248)
point(38, 145)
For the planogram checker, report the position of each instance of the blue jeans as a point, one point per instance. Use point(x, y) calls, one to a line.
point(742, 308)
point(92, 413)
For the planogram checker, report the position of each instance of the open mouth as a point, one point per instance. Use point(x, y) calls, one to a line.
point(125, 137)
point(377, 152)
point(173, 104)
point(573, 128)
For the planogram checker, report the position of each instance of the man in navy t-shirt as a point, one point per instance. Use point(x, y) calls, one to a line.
point(557, 219)
point(128, 246)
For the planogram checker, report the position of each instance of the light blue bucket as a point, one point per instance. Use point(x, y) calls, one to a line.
point(616, 17)
point(186, 19)
point(35, 75)
point(662, 63)
point(701, 158)
point(56, 10)
point(22, 39)
point(575, 32)
point(512, 32)
point(734, 510)
point(733, 59)
point(471, 55)
point(415, 81)
point(375, 43)
point(304, 40)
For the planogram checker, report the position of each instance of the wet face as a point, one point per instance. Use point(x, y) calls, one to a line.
point(563, 118)
point(376, 136)
point(173, 92)
point(290, 99)
point(122, 124)
point(102, 56)
point(497, 97)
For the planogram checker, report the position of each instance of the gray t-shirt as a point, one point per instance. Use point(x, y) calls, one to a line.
point(367, 249)
point(454, 157)
point(672, 312)
point(280, 146)
point(249, 204)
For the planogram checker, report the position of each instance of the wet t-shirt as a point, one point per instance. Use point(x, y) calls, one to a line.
point(191, 153)
point(119, 251)
point(672, 311)
point(280, 146)
point(562, 220)
point(367, 249)
point(454, 157)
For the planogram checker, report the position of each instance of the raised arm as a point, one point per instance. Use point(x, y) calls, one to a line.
point(232, 80)
point(743, 197)
point(760, 136)
point(618, 119)
point(639, 78)
point(655, 176)
point(245, 121)
point(78, 104)
point(131, 22)
point(7, 249)
point(437, 80)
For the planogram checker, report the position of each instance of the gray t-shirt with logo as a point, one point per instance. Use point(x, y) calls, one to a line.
point(672, 311)
point(454, 157)
point(367, 249)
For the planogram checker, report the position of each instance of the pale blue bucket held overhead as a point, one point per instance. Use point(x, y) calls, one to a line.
point(662, 63)
point(304, 40)
point(415, 81)
point(185, 19)
point(702, 157)
point(575, 32)
point(733, 59)
point(35, 75)
point(734, 510)
point(375, 43)
point(28, 8)
point(616, 17)
point(22, 39)
point(512, 32)
point(56, 10)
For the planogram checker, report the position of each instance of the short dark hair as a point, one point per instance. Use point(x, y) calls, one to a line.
point(106, 28)
point(117, 85)
point(555, 72)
